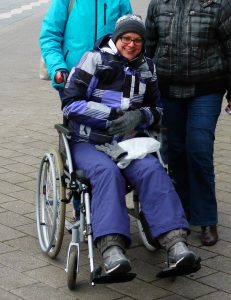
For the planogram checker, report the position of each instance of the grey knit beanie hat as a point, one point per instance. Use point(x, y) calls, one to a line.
point(128, 23)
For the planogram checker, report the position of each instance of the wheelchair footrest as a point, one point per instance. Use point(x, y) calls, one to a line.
point(98, 276)
point(179, 270)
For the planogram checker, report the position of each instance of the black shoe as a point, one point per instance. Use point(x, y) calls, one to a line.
point(209, 235)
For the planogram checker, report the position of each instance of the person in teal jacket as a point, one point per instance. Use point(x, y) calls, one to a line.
point(67, 34)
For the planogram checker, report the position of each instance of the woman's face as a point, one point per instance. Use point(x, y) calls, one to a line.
point(129, 45)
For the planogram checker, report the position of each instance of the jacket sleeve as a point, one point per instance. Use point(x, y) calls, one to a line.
point(150, 43)
point(51, 36)
point(224, 32)
point(77, 103)
point(125, 7)
point(151, 100)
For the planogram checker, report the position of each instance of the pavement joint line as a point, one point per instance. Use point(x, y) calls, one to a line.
point(17, 11)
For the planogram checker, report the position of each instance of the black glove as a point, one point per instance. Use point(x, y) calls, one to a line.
point(127, 122)
point(61, 76)
point(156, 125)
point(113, 150)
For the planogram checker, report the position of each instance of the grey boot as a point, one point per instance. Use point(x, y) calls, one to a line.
point(112, 250)
point(115, 261)
point(180, 256)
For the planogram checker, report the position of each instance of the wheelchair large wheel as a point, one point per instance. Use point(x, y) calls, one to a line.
point(144, 237)
point(72, 270)
point(50, 207)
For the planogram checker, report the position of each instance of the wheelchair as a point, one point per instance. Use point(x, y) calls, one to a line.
point(57, 184)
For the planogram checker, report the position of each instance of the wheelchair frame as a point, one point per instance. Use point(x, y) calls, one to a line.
point(57, 183)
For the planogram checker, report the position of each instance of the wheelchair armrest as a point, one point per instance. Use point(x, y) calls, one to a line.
point(62, 129)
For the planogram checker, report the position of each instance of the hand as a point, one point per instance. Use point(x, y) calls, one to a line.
point(228, 107)
point(61, 76)
point(112, 150)
point(128, 121)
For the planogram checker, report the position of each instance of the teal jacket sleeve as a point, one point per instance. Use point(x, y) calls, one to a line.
point(51, 36)
point(125, 7)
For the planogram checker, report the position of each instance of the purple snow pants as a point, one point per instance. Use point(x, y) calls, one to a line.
point(159, 201)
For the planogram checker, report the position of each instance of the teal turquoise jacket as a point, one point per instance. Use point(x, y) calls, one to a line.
point(65, 37)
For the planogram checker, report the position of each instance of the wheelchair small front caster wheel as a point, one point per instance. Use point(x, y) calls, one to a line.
point(72, 270)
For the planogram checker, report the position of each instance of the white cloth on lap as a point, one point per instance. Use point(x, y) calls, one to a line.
point(137, 148)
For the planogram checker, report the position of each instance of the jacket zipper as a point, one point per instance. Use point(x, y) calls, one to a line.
point(179, 28)
point(96, 19)
point(105, 14)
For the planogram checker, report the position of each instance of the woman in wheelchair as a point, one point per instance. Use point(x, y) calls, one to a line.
point(111, 96)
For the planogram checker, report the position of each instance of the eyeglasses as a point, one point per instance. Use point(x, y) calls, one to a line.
point(127, 40)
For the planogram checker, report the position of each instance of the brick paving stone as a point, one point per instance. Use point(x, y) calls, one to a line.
point(19, 207)
point(11, 279)
point(4, 161)
point(5, 198)
point(223, 185)
point(29, 185)
point(223, 176)
point(193, 239)
point(203, 253)
point(8, 296)
point(41, 291)
point(145, 271)
point(30, 229)
point(27, 244)
point(25, 195)
point(50, 275)
point(185, 287)
point(222, 248)
point(13, 220)
point(7, 188)
point(223, 206)
point(140, 290)
point(7, 233)
point(21, 261)
point(29, 160)
point(2, 210)
point(85, 291)
point(221, 281)
point(3, 170)
point(173, 297)
point(20, 168)
point(223, 168)
point(219, 263)
point(13, 145)
point(156, 257)
point(13, 177)
point(31, 216)
point(8, 153)
point(4, 248)
point(225, 234)
point(204, 271)
point(225, 220)
point(216, 296)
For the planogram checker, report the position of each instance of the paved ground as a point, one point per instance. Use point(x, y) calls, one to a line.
point(29, 109)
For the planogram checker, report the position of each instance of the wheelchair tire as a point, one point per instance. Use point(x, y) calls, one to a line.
point(50, 210)
point(61, 209)
point(72, 270)
point(143, 236)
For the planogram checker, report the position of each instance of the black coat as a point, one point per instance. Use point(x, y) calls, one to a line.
point(190, 44)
